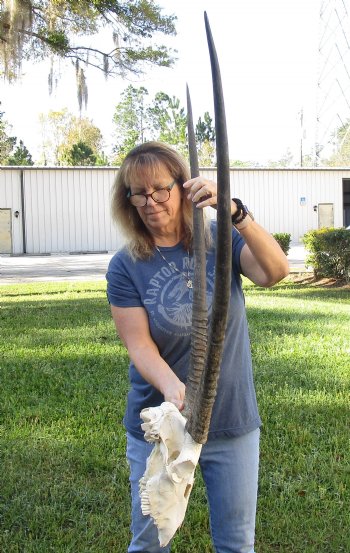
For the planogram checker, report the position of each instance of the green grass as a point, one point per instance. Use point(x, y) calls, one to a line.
point(63, 476)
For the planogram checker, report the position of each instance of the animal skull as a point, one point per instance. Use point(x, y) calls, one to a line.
point(168, 480)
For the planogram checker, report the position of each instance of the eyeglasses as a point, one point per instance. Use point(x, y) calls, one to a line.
point(159, 196)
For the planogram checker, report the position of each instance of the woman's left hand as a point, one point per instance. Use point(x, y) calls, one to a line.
point(202, 192)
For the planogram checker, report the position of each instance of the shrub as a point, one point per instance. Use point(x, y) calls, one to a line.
point(329, 252)
point(283, 238)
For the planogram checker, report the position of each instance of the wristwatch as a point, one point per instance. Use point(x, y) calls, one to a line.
point(241, 213)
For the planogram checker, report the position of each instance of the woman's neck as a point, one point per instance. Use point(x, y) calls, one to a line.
point(167, 239)
point(166, 242)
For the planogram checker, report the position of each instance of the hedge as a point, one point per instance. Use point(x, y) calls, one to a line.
point(283, 238)
point(329, 252)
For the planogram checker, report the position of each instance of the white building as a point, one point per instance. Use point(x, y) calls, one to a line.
point(51, 210)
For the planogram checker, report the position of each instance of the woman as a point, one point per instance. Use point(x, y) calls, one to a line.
point(150, 292)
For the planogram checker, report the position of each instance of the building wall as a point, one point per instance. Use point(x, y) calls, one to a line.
point(67, 209)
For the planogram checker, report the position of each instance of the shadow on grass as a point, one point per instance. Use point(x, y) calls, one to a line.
point(65, 390)
point(30, 312)
point(270, 325)
point(71, 314)
point(292, 290)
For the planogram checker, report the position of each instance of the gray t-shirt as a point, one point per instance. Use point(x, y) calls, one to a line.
point(163, 292)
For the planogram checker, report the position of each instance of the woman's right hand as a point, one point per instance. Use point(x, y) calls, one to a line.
point(174, 392)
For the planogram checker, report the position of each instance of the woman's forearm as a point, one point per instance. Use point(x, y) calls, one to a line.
point(157, 372)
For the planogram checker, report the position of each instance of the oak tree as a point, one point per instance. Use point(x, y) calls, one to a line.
point(20, 156)
point(61, 131)
point(36, 30)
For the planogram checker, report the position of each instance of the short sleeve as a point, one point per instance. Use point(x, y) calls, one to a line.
point(237, 245)
point(121, 290)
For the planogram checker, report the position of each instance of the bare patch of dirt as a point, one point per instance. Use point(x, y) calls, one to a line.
point(309, 280)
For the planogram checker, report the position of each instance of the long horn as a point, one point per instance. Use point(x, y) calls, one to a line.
point(199, 310)
point(198, 425)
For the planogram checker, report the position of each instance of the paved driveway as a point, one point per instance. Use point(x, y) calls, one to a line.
point(33, 268)
point(36, 268)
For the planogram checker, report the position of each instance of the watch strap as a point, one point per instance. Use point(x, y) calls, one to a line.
point(241, 213)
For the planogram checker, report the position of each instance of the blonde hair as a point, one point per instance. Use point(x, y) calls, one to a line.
point(149, 158)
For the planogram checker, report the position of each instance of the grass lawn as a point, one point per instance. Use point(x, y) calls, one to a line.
point(63, 373)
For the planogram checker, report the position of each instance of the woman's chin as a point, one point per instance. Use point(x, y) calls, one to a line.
point(155, 219)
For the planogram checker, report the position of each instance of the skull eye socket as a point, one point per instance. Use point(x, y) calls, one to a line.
point(174, 455)
point(187, 490)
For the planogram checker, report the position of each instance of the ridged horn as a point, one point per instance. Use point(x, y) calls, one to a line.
point(199, 309)
point(198, 425)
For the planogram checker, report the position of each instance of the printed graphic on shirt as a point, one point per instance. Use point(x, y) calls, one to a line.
point(168, 299)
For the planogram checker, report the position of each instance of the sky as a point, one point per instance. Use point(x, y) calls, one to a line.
point(267, 51)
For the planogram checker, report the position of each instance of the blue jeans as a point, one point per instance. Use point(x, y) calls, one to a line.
point(230, 471)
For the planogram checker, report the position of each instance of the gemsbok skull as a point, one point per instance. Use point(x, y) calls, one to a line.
point(166, 485)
